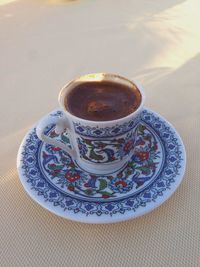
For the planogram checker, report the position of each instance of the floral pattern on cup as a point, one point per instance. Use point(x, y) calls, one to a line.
point(105, 151)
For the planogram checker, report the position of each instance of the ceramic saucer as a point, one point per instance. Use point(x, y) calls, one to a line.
point(55, 181)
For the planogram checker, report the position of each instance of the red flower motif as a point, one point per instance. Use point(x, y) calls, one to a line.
point(101, 146)
point(143, 155)
point(55, 172)
point(52, 165)
point(70, 187)
point(155, 147)
point(72, 177)
point(123, 183)
point(141, 142)
point(120, 174)
point(72, 165)
point(56, 149)
point(105, 196)
point(128, 146)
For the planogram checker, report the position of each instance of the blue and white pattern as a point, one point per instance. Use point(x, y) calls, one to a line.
point(54, 180)
point(107, 131)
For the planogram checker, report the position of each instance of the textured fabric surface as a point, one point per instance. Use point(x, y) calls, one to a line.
point(45, 44)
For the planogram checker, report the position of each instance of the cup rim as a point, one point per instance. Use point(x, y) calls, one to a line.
point(120, 120)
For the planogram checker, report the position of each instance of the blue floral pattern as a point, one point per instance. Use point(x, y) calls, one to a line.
point(156, 162)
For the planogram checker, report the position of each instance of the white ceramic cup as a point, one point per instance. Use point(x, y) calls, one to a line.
point(100, 147)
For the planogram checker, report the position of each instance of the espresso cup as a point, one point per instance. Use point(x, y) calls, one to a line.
point(100, 147)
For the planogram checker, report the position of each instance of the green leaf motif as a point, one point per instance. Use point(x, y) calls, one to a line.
point(87, 141)
point(141, 128)
point(103, 184)
point(144, 169)
point(85, 157)
point(147, 137)
point(93, 155)
point(100, 145)
point(55, 167)
point(65, 139)
point(131, 164)
point(105, 193)
point(88, 192)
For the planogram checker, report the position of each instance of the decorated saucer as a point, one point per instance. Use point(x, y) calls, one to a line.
point(55, 181)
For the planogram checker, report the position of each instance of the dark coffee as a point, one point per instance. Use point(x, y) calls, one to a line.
point(102, 101)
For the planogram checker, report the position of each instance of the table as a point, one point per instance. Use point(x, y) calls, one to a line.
point(43, 45)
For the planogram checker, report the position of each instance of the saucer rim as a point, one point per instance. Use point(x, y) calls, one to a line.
point(104, 219)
